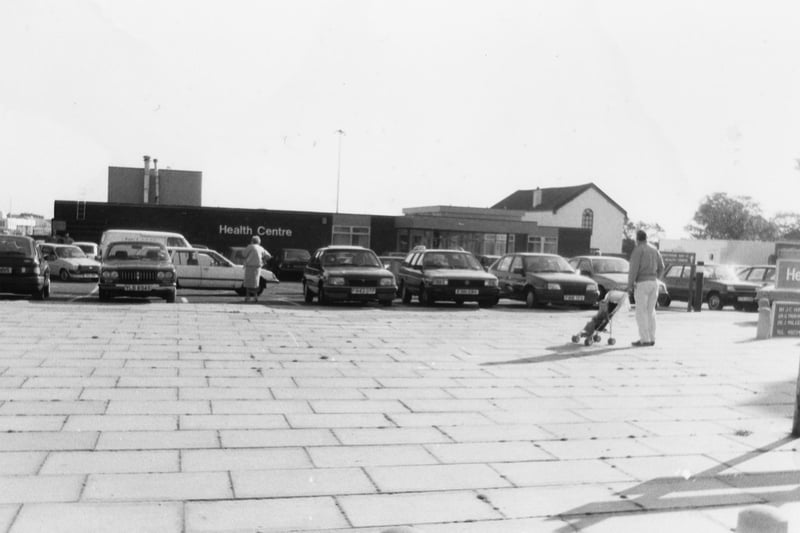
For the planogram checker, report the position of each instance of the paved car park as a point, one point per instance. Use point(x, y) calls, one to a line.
point(229, 417)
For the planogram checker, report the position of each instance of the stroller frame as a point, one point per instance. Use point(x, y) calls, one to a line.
point(601, 322)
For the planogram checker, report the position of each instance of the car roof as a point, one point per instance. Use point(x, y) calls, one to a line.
point(189, 249)
point(343, 247)
point(149, 243)
point(439, 250)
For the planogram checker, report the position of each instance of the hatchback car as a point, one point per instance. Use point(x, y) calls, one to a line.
point(202, 268)
point(541, 279)
point(721, 286)
point(453, 275)
point(761, 274)
point(69, 262)
point(137, 268)
point(290, 263)
point(347, 273)
point(23, 269)
point(91, 249)
point(611, 273)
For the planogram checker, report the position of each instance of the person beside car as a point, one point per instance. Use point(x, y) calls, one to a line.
point(255, 256)
point(646, 266)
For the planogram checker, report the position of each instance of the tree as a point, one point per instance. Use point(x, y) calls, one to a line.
point(653, 230)
point(787, 226)
point(736, 218)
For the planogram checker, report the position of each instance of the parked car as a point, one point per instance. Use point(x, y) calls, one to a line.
point(721, 286)
point(68, 262)
point(236, 254)
point(453, 275)
point(761, 274)
point(540, 279)
point(91, 249)
point(611, 273)
point(202, 268)
point(772, 294)
point(290, 262)
point(137, 268)
point(342, 273)
point(23, 269)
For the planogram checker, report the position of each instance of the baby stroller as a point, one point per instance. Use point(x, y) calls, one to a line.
point(608, 307)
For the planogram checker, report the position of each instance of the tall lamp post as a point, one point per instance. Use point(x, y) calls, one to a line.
point(339, 168)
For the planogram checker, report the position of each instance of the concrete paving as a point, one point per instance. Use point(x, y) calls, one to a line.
point(258, 418)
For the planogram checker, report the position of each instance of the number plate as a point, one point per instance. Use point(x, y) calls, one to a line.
point(746, 299)
point(138, 288)
point(573, 298)
point(467, 292)
point(5, 270)
point(362, 290)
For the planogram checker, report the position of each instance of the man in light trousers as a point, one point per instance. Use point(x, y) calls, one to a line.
point(646, 266)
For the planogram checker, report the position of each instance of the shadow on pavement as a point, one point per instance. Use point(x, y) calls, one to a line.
point(677, 493)
point(560, 353)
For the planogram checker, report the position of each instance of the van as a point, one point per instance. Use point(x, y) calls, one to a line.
point(166, 238)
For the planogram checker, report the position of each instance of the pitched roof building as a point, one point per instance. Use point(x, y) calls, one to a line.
point(578, 206)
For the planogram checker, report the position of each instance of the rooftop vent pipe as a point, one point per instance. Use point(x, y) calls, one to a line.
point(146, 178)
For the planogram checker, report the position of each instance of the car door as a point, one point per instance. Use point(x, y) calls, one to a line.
point(217, 272)
point(677, 280)
point(187, 269)
point(313, 271)
point(411, 272)
point(501, 272)
point(516, 278)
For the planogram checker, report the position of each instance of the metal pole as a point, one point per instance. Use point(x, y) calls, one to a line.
point(339, 168)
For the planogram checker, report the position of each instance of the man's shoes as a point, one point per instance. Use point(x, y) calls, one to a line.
point(643, 343)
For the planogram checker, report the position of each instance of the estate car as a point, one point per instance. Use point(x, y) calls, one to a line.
point(347, 273)
point(539, 279)
point(454, 275)
point(136, 268)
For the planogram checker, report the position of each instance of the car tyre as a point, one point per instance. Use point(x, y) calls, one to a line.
point(425, 296)
point(261, 287)
point(322, 297)
point(530, 298)
point(63, 275)
point(308, 296)
point(666, 302)
point(405, 294)
point(714, 301)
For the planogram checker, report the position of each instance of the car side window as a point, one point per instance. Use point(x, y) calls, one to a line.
point(204, 260)
point(503, 264)
point(673, 271)
point(516, 263)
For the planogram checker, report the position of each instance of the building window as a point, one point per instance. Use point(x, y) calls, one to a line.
point(587, 221)
point(351, 235)
point(542, 245)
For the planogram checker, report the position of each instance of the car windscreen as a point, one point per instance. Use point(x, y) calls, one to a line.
point(547, 263)
point(70, 252)
point(610, 266)
point(138, 251)
point(11, 245)
point(457, 260)
point(720, 272)
point(297, 255)
point(351, 258)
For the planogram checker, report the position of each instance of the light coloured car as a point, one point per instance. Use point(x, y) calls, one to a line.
point(69, 263)
point(202, 268)
point(611, 274)
point(91, 249)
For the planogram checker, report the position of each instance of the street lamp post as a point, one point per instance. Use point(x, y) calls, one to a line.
point(339, 168)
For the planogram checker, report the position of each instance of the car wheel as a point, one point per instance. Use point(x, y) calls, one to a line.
point(714, 301)
point(666, 302)
point(241, 291)
point(322, 298)
point(63, 275)
point(308, 296)
point(405, 294)
point(170, 297)
point(261, 287)
point(424, 296)
point(530, 298)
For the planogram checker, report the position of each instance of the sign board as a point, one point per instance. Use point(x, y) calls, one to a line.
point(787, 250)
point(678, 258)
point(787, 274)
point(785, 319)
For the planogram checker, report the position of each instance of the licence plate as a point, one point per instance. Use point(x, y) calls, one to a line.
point(138, 288)
point(468, 292)
point(362, 290)
point(5, 270)
point(573, 298)
point(746, 299)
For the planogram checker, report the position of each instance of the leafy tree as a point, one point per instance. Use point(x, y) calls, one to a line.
point(653, 229)
point(724, 217)
point(787, 226)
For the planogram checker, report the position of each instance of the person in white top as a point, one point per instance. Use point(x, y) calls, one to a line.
point(254, 258)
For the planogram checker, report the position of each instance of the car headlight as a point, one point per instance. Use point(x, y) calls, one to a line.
point(553, 287)
point(730, 288)
point(386, 282)
point(160, 276)
point(169, 275)
point(336, 280)
point(591, 287)
point(491, 283)
point(109, 274)
point(438, 281)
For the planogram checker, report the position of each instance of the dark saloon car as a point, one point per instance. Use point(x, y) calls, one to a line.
point(453, 275)
point(290, 263)
point(611, 273)
point(721, 286)
point(541, 279)
point(137, 268)
point(347, 273)
point(23, 269)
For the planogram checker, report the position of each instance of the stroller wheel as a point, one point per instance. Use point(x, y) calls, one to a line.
point(575, 338)
point(596, 338)
point(612, 341)
point(588, 341)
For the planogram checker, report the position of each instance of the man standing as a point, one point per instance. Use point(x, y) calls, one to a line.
point(646, 267)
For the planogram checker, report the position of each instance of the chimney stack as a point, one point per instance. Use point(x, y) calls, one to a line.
point(146, 178)
point(155, 171)
point(537, 197)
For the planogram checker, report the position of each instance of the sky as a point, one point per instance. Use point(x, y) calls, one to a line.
point(456, 102)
